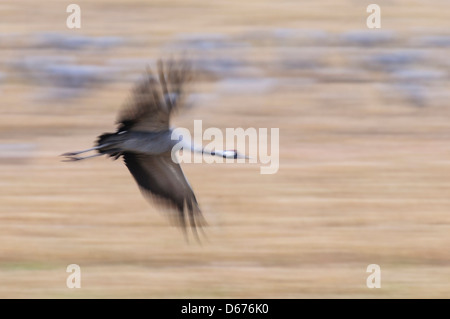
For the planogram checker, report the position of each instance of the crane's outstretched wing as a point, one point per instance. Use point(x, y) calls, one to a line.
point(162, 180)
point(154, 99)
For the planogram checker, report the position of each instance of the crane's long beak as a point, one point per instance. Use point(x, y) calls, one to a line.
point(242, 156)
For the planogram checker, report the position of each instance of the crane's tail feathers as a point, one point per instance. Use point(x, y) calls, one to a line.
point(104, 145)
point(109, 144)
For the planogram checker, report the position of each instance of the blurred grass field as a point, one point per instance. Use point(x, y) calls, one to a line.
point(364, 154)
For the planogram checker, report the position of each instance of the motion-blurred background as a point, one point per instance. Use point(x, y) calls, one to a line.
point(364, 173)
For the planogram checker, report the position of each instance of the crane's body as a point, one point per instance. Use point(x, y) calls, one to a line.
point(152, 143)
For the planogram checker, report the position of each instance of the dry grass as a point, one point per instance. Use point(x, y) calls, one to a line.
point(361, 181)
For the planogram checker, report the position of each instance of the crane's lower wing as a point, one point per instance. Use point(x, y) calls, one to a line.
point(162, 180)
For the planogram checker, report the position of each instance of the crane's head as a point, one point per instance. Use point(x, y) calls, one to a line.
point(232, 154)
point(227, 154)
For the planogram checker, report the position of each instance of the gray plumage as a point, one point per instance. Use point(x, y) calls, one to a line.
point(144, 141)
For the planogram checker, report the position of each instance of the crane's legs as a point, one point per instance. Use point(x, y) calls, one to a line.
point(72, 156)
point(83, 151)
